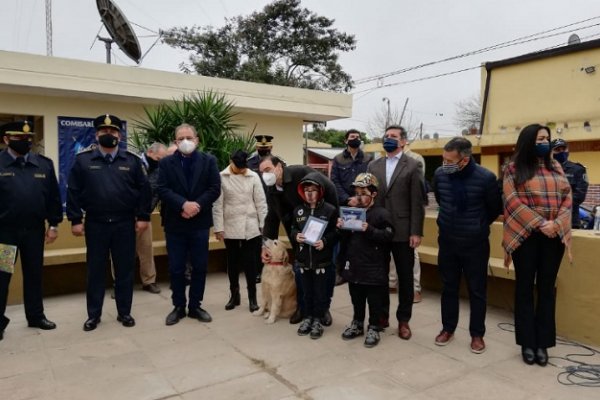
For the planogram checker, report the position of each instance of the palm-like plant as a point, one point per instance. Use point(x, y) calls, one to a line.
point(210, 113)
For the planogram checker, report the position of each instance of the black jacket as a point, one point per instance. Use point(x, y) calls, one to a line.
point(365, 256)
point(108, 192)
point(576, 174)
point(202, 185)
point(345, 169)
point(29, 195)
point(282, 203)
point(469, 202)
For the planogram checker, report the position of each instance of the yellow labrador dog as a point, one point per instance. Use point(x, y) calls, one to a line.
point(278, 286)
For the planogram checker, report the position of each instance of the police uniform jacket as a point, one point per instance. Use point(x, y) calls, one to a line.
point(576, 175)
point(202, 184)
point(108, 192)
point(29, 195)
point(283, 202)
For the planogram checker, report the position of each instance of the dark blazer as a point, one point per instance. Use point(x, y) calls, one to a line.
point(174, 189)
point(404, 198)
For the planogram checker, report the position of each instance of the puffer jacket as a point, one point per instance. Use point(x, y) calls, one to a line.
point(307, 256)
point(364, 256)
point(469, 202)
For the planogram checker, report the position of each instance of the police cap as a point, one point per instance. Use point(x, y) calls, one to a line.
point(264, 140)
point(107, 121)
point(558, 143)
point(17, 128)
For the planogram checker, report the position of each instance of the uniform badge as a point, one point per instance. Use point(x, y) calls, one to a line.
point(300, 212)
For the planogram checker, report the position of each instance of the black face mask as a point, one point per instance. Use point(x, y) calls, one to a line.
point(21, 147)
point(354, 143)
point(263, 152)
point(108, 141)
point(152, 163)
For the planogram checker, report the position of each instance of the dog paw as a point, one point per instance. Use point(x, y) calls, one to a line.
point(257, 313)
point(270, 321)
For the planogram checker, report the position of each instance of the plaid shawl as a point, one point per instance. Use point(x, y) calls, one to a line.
point(545, 197)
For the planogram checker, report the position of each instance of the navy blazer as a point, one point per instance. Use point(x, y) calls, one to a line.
point(204, 187)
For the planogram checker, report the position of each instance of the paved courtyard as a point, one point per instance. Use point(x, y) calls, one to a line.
point(237, 356)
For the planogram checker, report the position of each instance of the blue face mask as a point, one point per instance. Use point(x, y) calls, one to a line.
point(542, 149)
point(561, 157)
point(390, 145)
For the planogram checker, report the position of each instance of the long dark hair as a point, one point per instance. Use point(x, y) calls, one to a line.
point(525, 159)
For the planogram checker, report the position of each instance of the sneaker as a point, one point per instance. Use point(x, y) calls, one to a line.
point(354, 330)
point(151, 288)
point(477, 345)
point(444, 338)
point(372, 338)
point(305, 327)
point(317, 329)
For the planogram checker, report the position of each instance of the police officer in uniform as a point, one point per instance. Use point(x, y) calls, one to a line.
point(110, 185)
point(264, 146)
point(575, 173)
point(29, 196)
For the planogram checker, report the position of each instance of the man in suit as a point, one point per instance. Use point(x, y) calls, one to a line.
point(29, 197)
point(401, 192)
point(188, 185)
point(282, 198)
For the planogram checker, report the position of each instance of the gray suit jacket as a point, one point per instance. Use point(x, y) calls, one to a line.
point(404, 198)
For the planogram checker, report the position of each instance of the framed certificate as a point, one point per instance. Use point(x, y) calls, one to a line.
point(313, 230)
point(8, 256)
point(353, 218)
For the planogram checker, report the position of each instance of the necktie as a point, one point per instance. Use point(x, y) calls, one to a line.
point(21, 162)
point(108, 158)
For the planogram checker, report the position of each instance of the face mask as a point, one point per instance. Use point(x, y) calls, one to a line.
point(152, 163)
point(450, 168)
point(389, 145)
point(20, 146)
point(561, 157)
point(263, 152)
point(108, 141)
point(542, 149)
point(269, 178)
point(186, 146)
point(354, 143)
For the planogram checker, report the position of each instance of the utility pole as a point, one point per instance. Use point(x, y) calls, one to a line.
point(387, 116)
point(403, 110)
point(48, 27)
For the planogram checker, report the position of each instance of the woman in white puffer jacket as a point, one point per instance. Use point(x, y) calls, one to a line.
point(238, 217)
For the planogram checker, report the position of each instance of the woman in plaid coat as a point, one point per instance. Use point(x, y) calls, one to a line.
point(537, 229)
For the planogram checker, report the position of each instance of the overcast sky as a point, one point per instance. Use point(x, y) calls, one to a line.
point(391, 35)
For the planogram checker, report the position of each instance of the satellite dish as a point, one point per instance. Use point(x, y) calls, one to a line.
point(574, 39)
point(120, 31)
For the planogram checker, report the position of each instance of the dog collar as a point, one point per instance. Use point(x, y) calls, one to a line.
point(277, 263)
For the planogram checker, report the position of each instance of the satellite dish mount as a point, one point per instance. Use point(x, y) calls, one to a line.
point(120, 31)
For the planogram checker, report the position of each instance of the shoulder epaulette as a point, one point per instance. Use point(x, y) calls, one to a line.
point(91, 147)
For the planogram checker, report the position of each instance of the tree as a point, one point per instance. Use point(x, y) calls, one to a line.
point(468, 113)
point(381, 120)
point(210, 113)
point(283, 44)
point(333, 137)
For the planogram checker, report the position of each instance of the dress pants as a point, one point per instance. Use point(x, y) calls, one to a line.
point(404, 258)
point(30, 245)
point(241, 255)
point(179, 246)
point(374, 296)
point(454, 259)
point(536, 261)
point(117, 241)
point(145, 253)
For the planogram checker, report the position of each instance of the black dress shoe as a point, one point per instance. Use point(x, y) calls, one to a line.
point(151, 288)
point(42, 323)
point(1, 335)
point(126, 320)
point(91, 324)
point(200, 314)
point(296, 317)
point(541, 357)
point(528, 355)
point(327, 320)
point(175, 315)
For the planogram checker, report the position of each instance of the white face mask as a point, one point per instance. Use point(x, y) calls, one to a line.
point(186, 146)
point(269, 178)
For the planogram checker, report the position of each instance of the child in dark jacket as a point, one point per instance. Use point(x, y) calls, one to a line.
point(314, 258)
point(365, 263)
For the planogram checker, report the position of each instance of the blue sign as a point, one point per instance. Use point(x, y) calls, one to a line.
point(76, 134)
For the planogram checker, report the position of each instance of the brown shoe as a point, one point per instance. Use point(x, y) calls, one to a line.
point(404, 331)
point(418, 298)
point(477, 345)
point(444, 338)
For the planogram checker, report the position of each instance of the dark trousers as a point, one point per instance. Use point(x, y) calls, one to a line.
point(241, 255)
point(404, 258)
point(30, 245)
point(454, 259)
point(316, 300)
point(330, 284)
point(179, 245)
point(537, 261)
point(372, 295)
point(106, 240)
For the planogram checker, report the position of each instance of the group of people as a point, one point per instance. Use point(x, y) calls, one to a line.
point(110, 198)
